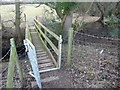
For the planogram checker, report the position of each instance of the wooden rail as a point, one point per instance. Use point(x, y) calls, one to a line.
point(46, 29)
point(13, 60)
point(46, 40)
point(28, 34)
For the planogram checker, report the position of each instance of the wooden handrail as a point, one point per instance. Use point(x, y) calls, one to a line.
point(27, 34)
point(46, 29)
point(48, 40)
point(57, 49)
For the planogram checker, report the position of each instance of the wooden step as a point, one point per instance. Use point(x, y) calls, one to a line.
point(42, 58)
point(32, 28)
point(44, 61)
point(42, 55)
point(33, 32)
point(46, 68)
point(42, 52)
point(45, 65)
point(37, 47)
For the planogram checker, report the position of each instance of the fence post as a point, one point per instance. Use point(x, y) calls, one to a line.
point(13, 60)
point(11, 66)
point(70, 39)
point(45, 35)
point(18, 66)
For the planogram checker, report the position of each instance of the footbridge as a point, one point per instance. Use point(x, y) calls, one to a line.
point(43, 52)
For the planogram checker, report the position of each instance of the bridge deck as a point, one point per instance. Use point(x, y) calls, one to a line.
point(44, 61)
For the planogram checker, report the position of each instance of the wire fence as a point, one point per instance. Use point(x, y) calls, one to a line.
point(5, 55)
point(83, 39)
point(100, 37)
point(95, 58)
point(21, 53)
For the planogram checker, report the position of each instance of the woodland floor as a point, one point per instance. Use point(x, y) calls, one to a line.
point(94, 65)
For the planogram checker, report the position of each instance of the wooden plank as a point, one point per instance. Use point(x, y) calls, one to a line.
point(48, 40)
point(27, 34)
point(42, 52)
point(45, 65)
point(44, 61)
point(39, 50)
point(48, 51)
point(50, 32)
point(36, 41)
point(46, 68)
point(42, 58)
point(33, 32)
point(41, 55)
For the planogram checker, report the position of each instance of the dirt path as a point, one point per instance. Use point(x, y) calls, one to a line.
point(64, 81)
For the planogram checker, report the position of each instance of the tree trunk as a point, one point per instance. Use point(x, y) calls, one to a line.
point(17, 20)
point(66, 24)
point(101, 11)
point(101, 19)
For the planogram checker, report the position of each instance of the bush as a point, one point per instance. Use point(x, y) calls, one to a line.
point(113, 25)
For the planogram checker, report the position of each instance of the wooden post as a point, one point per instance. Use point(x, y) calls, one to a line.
point(25, 17)
point(36, 17)
point(11, 66)
point(70, 39)
point(18, 65)
point(13, 60)
point(45, 35)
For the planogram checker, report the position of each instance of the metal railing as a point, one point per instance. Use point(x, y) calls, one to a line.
point(31, 52)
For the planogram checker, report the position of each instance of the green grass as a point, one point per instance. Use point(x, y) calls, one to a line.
point(6, 12)
point(30, 11)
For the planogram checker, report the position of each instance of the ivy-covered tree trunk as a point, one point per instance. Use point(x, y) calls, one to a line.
point(17, 20)
point(64, 11)
point(67, 22)
point(102, 13)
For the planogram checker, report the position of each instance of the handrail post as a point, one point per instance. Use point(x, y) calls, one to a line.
point(70, 39)
point(12, 61)
point(28, 34)
point(25, 17)
point(60, 51)
point(11, 66)
point(45, 35)
point(18, 66)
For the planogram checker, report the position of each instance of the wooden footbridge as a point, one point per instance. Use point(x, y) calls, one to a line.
point(43, 54)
